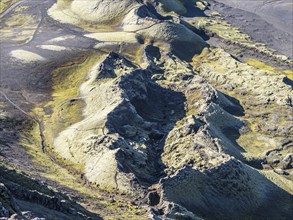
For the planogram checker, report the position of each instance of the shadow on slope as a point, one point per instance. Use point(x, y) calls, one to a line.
point(20, 192)
point(146, 119)
point(230, 191)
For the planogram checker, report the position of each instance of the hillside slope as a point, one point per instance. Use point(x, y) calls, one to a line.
point(141, 110)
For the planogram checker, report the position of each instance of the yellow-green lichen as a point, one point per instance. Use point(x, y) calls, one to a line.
point(64, 109)
point(19, 26)
point(5, 4)
point(263, 66)
point(66, 105)
point(175, 6)
point(214, 24)
point(93, 198)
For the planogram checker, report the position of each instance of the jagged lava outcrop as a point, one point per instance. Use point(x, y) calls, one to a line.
point(182, 128)
point(164, 121)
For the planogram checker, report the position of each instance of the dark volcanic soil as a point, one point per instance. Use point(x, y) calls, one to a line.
point(274, 18)
point(148, 117)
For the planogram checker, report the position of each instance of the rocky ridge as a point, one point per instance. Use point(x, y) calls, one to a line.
point(185, 129)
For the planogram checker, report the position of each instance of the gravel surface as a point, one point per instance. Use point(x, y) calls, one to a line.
point(267, 21)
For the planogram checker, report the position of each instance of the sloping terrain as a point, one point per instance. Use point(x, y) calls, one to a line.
point(277, 13)
point(142, 110)
point(263, 16)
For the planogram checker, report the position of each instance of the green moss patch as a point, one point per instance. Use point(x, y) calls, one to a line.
point(5, 4)
point(66, 105)
point(263, 66)
point(64, 109)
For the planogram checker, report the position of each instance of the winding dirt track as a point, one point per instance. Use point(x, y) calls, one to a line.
point(15, 105)
point(10, 8)
point(34, 118)
point(35, 78)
